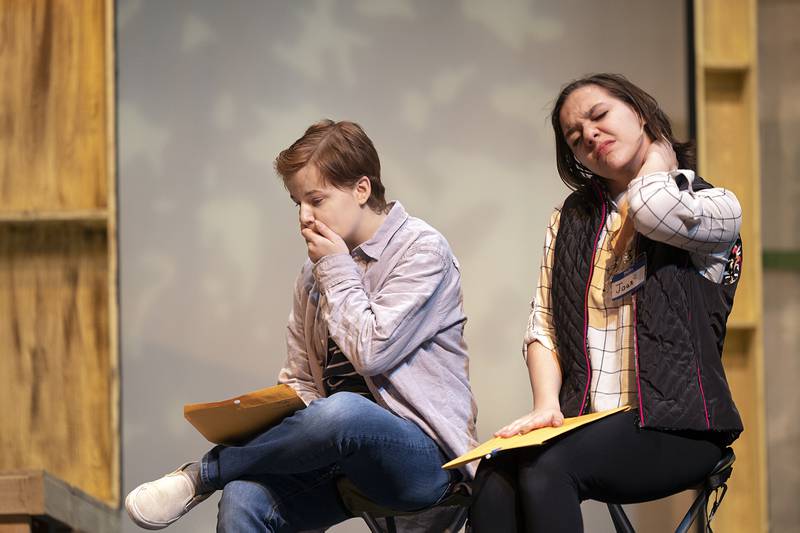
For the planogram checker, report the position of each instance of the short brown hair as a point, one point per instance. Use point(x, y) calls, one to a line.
point(657, 125)
point(342, 153)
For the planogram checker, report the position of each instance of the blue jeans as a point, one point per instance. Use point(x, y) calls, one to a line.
point(285, 478)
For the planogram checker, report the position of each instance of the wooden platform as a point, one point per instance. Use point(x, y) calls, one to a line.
point(35, 501)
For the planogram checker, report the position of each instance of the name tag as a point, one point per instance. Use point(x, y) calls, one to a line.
point(630, 279)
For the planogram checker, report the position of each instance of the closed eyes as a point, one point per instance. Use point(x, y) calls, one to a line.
point(313, 201)
point(578, 138)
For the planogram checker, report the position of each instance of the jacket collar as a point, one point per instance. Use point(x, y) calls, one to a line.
point(374, 247)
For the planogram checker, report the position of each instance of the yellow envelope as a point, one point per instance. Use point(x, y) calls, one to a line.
point(536, 437)
point(233, 420)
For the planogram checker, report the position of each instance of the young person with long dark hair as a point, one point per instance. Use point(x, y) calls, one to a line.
point(640, 267)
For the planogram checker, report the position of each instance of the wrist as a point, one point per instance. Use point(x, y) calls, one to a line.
point(546, 405)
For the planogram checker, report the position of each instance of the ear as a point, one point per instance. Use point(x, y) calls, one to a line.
point(362, 190)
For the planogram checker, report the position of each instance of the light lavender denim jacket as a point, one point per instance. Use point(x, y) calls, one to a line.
point(394, 307)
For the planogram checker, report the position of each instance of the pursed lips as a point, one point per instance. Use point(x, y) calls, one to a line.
point(603, 148)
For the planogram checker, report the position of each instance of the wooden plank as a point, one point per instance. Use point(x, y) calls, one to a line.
point(741, 511)
point(35, 493)
point(15, 524)
point(55, 363)
point(112, 251)
point(53, 117)
point(728, 154)
point(75, 508)
point(729, 163)
point(58, 166)
point(89, 217)
point(728, 35)
point(20, 494)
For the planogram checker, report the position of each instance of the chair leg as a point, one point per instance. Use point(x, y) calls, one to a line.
point(699, 505)
point(372, 523)
point(620, 519)
point(459, 522)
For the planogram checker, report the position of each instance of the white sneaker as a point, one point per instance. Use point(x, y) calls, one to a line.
point(157, 504)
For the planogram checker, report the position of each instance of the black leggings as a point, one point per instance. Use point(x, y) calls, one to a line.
point(540, 489)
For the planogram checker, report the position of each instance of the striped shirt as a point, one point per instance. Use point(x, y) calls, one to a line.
point(339, 375)
point(705, 223)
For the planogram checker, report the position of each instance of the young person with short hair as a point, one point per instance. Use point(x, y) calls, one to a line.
point(375, 348)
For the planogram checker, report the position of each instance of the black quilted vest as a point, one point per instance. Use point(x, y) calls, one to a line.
point(680, 319)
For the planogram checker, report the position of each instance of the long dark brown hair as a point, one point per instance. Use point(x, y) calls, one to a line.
point(656, 125)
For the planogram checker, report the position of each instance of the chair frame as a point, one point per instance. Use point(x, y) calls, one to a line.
point(715, 483)
point(459, 495)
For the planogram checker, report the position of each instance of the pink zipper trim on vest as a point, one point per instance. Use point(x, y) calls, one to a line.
point(703, 394)
point(700, 382)
point(586, 302)
point(636, 361)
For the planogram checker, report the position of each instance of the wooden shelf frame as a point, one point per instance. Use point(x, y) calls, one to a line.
point(58, 244)
point(89, 217)
point(726, 104)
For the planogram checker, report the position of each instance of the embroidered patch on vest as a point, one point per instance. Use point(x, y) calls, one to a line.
point(733, 269)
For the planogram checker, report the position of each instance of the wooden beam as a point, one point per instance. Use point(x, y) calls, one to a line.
point(726, 105)
point(58, 243)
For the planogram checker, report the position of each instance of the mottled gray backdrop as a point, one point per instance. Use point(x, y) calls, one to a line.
point(455, 95)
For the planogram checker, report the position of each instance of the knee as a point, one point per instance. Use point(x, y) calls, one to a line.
point(235, 496)
point(494, 503)
point(498, 474)
point(547, 473)
point(245, 506)
point(342, 408)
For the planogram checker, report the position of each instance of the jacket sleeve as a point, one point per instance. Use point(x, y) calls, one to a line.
point(296, 371)
point(705, 221)
point(377, 331)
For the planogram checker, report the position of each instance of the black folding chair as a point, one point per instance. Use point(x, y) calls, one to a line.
point(715, 483)
point(382, 520)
